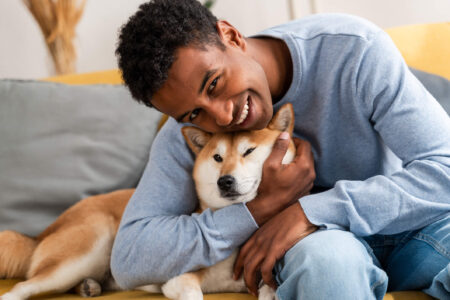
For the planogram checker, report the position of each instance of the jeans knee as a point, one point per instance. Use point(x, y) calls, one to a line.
point(331, 252)
point(329, 262)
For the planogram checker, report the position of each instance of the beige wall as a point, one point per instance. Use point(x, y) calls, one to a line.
point(23, 53)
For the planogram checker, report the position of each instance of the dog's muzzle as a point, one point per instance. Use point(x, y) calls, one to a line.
point(227, 186)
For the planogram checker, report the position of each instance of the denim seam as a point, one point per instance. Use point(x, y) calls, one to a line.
point(371, 253)
point(277, 293)
point(407, 237)
point(433, 243)
point(377, 284)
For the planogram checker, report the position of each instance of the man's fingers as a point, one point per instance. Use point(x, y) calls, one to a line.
point(304, 157)
point(302, 147)
point(238, 264)
point(266, 272)
point(297, 142)
point(240, 259)
point(279, 149)
point(251, 272)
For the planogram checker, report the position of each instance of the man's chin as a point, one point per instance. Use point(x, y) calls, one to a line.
point(261, 124)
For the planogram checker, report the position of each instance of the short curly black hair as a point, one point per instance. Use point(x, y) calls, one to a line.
point(148, 42)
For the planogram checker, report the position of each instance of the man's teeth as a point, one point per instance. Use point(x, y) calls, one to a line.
point(244, 114)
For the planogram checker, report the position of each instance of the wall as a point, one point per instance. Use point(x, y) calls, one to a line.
point(23, 53)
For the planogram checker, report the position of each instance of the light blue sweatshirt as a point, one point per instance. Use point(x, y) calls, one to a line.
point(381, 142)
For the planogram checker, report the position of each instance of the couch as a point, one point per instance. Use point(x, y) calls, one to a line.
point(63, 138)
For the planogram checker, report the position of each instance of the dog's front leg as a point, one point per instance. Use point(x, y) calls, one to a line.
point(266, 293)
point(183, 287)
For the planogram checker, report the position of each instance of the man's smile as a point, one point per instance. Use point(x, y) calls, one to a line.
point(244, 113)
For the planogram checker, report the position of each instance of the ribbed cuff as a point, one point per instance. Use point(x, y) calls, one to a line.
point(325, 210)
point(235, 223)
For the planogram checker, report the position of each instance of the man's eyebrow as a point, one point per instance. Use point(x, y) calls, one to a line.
point(208, 75)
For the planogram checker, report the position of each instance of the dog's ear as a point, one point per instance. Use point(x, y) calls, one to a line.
point(195, 138)
point(283, 119)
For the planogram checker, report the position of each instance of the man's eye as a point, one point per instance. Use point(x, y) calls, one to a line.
point(213, 84)
point(194, 114)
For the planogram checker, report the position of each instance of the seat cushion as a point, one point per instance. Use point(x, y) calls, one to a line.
point(6, 285)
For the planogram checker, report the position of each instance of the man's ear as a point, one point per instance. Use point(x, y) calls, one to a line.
point(283, 119)
point(195, 138)
point(229, 35)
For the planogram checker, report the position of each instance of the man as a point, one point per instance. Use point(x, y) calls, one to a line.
point(381, 147)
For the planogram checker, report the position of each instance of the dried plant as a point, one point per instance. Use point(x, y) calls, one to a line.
point(57, 20)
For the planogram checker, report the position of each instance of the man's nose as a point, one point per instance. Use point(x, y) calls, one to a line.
point(222, 111)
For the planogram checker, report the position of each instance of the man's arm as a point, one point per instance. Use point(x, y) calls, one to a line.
point(416, 128)
point(158, 238)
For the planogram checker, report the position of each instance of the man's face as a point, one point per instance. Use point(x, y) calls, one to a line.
point(217, 90)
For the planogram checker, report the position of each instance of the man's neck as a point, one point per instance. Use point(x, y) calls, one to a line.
point(274, 57)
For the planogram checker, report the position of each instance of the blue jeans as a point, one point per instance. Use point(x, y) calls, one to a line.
point(335, 264)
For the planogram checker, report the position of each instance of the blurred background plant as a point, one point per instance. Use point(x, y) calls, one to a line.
point(29, 44)
point(209, 3)
point(57, 20)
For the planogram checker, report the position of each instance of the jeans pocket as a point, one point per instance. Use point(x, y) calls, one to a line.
point(437, 235)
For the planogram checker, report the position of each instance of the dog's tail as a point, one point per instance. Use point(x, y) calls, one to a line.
point(16, 251)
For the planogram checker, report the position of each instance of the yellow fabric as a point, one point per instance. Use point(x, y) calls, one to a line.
point(425, 47)
point(6, 285)
point(106, 77)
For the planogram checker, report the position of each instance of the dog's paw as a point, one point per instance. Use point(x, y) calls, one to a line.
point(267, 293)
point(89, 288)
point(182, 288)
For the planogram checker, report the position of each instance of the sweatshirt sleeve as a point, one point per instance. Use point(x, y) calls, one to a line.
point(159, 236)
point(415, 127)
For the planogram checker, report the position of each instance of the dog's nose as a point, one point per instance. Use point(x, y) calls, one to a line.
point(226, 183)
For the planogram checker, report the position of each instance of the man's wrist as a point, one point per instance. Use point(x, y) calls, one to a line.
point(261, 211)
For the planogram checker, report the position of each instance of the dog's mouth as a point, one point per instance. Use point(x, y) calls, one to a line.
point(231, 196)
point(235, 195)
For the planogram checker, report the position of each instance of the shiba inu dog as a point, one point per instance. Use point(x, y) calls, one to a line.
point(74, 251)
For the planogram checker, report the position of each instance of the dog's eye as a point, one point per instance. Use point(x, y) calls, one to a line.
point(250, 150)
point(218, 158)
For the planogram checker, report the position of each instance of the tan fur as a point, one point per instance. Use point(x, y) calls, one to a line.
point(15, 254)
point(70, 238)
point(217, 278)
point(75, 249)
point(261, 137)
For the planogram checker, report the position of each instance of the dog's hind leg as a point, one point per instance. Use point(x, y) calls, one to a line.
point(54, 278)
point(89, 288)
point(36, 285)
point(64, 259)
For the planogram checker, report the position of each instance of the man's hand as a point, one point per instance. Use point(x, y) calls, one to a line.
point(269, 243)
point(282, 185)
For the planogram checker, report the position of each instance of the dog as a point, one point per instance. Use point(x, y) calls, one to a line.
point(74, 252)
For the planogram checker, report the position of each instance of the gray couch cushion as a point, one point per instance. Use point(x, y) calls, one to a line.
point(60, 143)
point(438, 86)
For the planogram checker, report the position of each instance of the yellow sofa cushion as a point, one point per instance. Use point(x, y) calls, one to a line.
point(106, 77)
point(425, 46)
point(6, 285)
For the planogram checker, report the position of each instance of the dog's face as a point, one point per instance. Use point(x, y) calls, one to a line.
point(228, 166)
